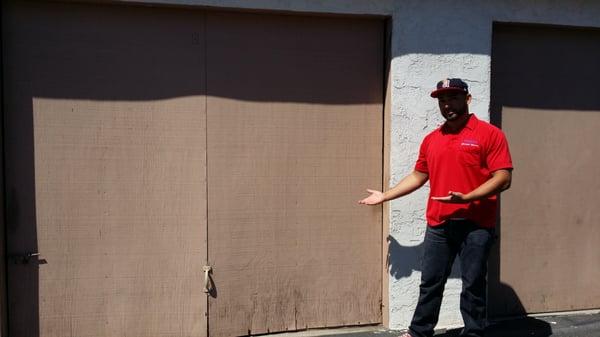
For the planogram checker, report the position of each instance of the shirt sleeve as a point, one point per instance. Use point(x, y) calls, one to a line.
point(498, 155)
point(421, 164)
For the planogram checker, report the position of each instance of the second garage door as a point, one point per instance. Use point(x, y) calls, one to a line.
point(545, 92)
point(294, 133)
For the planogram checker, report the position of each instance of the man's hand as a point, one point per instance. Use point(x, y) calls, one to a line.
point(500, 181)
point(375, 198)
point(453, 198)
point(408, 184)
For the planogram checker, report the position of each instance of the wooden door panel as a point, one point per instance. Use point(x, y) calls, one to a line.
point(547, 102)
point(294, 135)
point(549, 230)
point(105, 120)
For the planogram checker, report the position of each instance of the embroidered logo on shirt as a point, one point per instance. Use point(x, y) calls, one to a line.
point(470, 142)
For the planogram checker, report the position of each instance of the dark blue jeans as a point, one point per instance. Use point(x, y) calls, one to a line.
point(442, 244)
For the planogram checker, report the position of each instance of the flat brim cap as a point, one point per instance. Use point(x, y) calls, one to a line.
point(450, 85)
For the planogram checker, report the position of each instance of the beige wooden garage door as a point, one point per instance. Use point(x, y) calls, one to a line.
point(144, 143)
point(105, 140)
point(545, 94)
point(294, 133)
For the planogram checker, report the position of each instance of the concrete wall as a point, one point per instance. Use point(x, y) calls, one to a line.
point(431, 40)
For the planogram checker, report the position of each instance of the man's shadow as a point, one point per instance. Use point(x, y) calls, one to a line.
point(511, 326)
point(402, 261)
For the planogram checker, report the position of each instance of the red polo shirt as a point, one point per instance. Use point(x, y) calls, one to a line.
point(460, 162)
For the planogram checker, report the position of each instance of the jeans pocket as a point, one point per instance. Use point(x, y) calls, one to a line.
point(484, 237)
point(436, 234)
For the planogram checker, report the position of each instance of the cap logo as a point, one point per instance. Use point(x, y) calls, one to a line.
point(446, 83)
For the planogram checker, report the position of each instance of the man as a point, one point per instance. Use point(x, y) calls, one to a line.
point(468, 164)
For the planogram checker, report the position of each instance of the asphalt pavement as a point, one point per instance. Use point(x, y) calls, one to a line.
point(568, 325)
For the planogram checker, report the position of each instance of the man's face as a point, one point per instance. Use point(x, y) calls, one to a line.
point(453, 104)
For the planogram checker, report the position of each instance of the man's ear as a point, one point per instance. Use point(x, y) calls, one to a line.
point(469, 97)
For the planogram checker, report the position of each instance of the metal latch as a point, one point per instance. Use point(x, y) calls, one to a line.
point(22, 258)
point(207, 281)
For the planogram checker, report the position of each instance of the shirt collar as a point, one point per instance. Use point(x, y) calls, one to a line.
point(471, 124)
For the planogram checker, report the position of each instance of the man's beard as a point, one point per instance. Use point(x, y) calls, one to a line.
point(455, 114)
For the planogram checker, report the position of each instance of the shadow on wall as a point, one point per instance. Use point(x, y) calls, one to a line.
point(402, 261)
point(153, 54)
point(556, 81)
point(521, 326)
point(517, 325)
point(23, 264)
point(503, 295)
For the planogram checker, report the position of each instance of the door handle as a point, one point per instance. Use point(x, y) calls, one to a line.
point(207, 283)
point(22, 258)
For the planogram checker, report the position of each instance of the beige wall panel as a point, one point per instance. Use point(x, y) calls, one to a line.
point(106, 112)
point(550, 232)
point(295, 124)
point(547, 102)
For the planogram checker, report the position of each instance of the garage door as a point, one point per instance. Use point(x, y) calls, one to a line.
point(145, 143)
point(105, 136)
point(294, 131)
point(545, 95)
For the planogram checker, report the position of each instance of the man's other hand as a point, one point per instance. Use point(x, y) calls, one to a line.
point(453, 198)
point(375, 198)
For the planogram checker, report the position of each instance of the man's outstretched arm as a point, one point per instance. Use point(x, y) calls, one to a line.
point(407, 185)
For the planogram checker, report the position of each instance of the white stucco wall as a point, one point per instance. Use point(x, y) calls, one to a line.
point(431, 40)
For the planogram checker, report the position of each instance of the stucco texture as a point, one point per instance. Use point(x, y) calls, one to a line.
point(434, 40)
